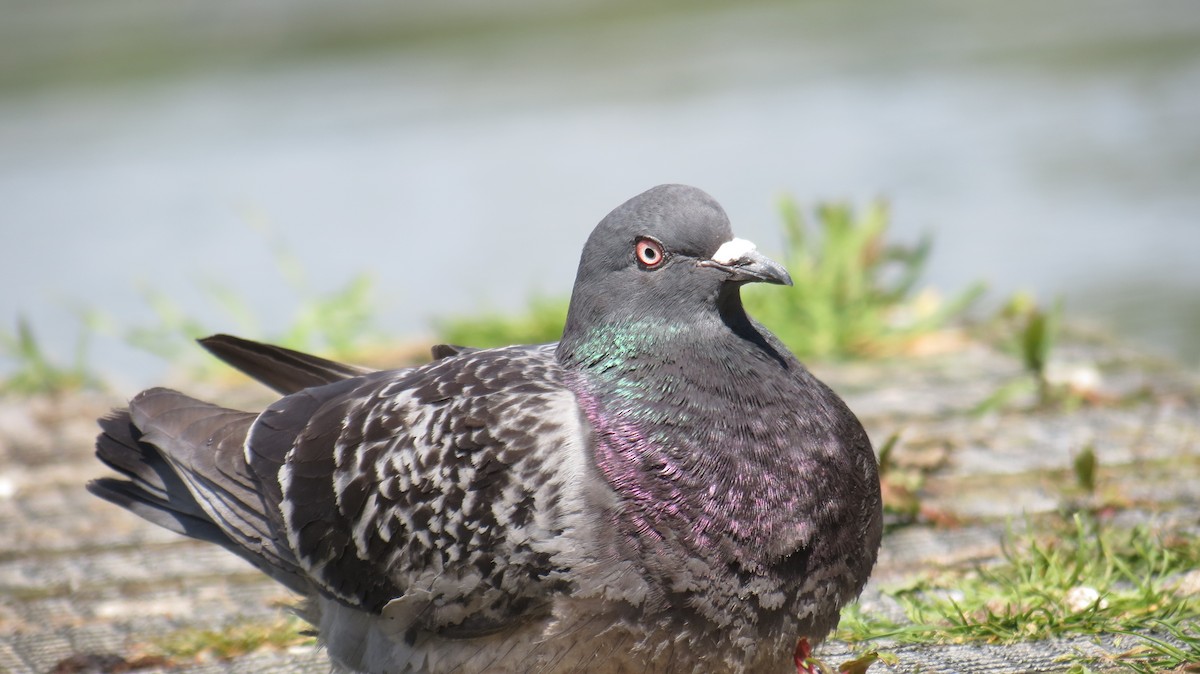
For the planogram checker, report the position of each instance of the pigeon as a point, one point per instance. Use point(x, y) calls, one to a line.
point(666, 489)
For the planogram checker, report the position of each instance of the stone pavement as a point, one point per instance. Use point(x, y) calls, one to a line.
point(85, 586)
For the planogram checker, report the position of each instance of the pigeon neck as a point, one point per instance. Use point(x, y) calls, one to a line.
point(608, 348)
point(601, 342)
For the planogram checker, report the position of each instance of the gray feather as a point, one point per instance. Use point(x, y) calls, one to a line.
point(283, 370)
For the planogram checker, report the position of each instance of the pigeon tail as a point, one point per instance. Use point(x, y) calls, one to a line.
point(187, 472)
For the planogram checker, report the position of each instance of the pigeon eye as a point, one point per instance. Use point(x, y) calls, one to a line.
point(649, 253)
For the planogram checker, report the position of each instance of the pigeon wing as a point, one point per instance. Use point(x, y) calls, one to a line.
point(283, 370)
point(438, 495)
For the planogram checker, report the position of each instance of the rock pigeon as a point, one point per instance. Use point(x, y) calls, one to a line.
point(666, 489)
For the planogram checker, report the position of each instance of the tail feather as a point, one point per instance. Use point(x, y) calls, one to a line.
point(120, 448)
point(164, 513)
point(283, 370)
point(187, 472)
point(153, 490)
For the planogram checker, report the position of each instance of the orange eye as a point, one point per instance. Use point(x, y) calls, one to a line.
point(649, 253)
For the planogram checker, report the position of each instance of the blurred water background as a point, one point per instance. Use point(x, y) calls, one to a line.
point(461, 151)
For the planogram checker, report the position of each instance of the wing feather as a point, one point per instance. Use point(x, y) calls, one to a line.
point(283, 370)
point(434, 493)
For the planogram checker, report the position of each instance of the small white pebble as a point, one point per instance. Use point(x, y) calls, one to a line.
point(1079, 377)
point(8, 488)
point(1081, 598)
point(1189, 584)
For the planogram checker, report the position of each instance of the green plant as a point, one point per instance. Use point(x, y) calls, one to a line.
point(542, 321)
point(900, 486)
point(854, 291)
point(172, 336)
point(1085, 466)
point(233, 640)
point(1175, 648)
point(1030, 332)
point(36, 371)
point(856, 665)
point(1080, 578)
point(339, 323)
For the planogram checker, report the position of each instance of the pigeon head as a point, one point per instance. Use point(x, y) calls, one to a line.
point(667, 256)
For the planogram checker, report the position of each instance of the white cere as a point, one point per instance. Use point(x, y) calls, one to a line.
point(733, 250)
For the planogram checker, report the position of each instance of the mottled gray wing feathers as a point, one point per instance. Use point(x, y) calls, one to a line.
point(436, 496)
point(433, 495)
point(283, 370)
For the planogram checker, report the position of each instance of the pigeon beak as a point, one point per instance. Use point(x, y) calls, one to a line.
point(741, 260)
